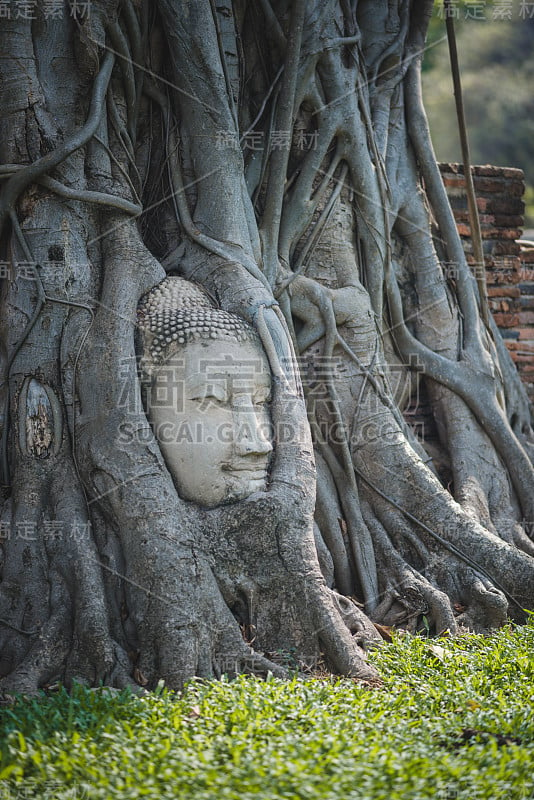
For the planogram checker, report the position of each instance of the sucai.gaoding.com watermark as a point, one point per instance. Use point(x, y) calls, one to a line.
point(227, 402)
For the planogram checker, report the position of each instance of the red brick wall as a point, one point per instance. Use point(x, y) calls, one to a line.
point(509, 266)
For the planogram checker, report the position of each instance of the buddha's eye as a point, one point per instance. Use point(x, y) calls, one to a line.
point(262, 396)
point(213, 393)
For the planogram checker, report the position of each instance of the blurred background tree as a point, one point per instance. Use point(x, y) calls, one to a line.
point(496, 52)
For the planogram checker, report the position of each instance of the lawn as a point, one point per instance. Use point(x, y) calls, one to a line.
point(452, 720)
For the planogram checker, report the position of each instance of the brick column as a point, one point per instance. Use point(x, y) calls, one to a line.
point(509, 266)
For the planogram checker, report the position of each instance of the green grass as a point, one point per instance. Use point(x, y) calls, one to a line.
point(453, 720)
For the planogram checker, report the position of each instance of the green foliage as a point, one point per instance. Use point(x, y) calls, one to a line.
point(496, 59)
point(453, 719)
point(529, 207)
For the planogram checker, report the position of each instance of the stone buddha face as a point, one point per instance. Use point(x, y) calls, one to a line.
point(207, 391)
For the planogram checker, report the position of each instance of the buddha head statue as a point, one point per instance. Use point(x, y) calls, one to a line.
point(206, 388)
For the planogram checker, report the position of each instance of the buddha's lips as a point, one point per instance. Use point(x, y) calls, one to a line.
point(254, 471)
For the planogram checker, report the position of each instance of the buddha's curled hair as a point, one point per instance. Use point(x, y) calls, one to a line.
point(176, 312)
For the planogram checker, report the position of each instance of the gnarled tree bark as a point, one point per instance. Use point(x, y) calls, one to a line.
point(277, 154)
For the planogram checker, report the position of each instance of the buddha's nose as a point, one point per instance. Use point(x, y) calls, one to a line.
point(251, 435)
